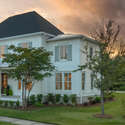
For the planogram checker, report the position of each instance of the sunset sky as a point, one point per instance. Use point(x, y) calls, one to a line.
point(71, 16)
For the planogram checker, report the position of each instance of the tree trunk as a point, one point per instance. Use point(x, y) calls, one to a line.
point(102, 102)
point(23, 95)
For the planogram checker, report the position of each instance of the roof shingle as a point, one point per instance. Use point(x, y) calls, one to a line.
point(30, 22)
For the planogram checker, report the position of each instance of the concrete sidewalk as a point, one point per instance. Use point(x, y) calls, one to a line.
point(20, 122)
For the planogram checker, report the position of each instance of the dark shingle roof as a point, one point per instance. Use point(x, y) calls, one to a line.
point(30, 22)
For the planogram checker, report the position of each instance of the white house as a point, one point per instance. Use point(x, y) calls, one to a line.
point(31, 30)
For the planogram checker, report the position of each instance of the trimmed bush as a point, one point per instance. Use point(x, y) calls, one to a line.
point(65, 99)
point(91, 100)
point(58, 98)
point(73, 99)
point(5, 103)
point(39, 98)
point(17, 103)
point(32, 99)
point(51, 98)
point(11, 103)
point(97, 99)
point(1, 103)
point(38, 104)
point(10, 92)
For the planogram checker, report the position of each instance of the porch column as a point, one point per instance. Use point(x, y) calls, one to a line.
point(0, 83)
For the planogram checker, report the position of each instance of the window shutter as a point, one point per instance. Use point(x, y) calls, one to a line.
point(91, 52)
point(56, 53)
point(6, 49)
point(69, 52)
point(30, 44)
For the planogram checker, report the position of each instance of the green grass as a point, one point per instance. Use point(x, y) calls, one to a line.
point(72, 115)
point(5, 123)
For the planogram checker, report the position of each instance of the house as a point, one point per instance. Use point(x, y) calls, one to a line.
point(32, 30)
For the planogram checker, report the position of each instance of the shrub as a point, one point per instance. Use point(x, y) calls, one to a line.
point(51, 98)
point(1, 103)
point(5, 103)
point(97, 99)
point(39, 98)
point(73, 99)
point(32, 99)
point(58, 98)
point(38, 104)
point(10, 92)
point(65, 98)
point(17, 103)
point(91, 100)
point(11, 103)
point(85, 104)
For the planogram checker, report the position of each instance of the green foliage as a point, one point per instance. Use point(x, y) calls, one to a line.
point(39, 98)
point(28, 65)
point(58, 98)
point(32, 99)
point(11, 103)
point(17, 103)
point(51, 98)
point(5, 103)
point(1, 103)
point(10, 92)
point(38, 104)
point(97, 99)
point(65, 98)
point(73, 99)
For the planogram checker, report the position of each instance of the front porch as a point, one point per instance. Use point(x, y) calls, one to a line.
point(9, 90)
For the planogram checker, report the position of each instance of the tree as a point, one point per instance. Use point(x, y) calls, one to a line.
point(102, 64)
point(28, 65)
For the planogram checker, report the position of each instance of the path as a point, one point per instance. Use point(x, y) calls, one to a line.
point(20, 122)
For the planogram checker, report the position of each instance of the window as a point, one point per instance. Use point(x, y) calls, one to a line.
point(92, 81)
point(59, 81)
point(25, 45)
point(63, 81)
point(83, 80)
point(3, 50)
point(63, 53)
point(67, 77)
point(4, 80)
point(91, 52)
point(19, 84)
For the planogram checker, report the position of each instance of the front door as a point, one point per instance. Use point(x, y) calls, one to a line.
point(4, 79)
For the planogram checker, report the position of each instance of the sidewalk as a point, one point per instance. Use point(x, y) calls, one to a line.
point(20, 122)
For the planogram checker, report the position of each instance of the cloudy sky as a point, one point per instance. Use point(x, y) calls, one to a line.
point(71, 16)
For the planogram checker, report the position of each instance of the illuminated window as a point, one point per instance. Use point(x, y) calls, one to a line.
point(58, 80)
point(67, 77)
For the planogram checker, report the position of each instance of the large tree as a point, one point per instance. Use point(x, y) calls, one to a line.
point(101, 64)
point(28, 65)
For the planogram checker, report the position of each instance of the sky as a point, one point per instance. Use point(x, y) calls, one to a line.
point(71, 16)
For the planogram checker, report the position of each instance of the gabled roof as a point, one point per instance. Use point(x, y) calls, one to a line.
point(30, 22)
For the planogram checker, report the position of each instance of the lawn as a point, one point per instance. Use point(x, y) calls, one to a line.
point(5, 123)
point(72, 115)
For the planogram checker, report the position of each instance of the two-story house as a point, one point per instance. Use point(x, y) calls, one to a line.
point(32, 30)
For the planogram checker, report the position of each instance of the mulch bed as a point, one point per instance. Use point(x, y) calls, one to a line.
point(106, 116)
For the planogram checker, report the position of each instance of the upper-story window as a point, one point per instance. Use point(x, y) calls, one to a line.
point(25, 45)
point(83, 80)
point(63, 53)
point(3, 50)
point(90, 52)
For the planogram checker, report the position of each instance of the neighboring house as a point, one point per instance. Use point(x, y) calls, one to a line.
point(31, 30)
